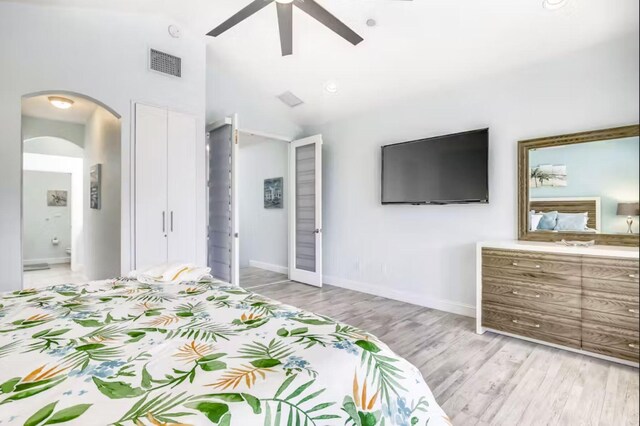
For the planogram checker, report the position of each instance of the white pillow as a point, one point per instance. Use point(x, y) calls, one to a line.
point(534, 221)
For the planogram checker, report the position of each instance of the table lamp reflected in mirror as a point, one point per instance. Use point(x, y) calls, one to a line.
point(630, 210)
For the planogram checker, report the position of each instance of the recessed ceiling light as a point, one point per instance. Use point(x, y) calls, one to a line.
point(371, 22)
point(554, 4)
point(60, 102)
point(331, 86)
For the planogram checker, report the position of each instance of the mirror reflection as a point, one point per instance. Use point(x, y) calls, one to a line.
point(586, 187)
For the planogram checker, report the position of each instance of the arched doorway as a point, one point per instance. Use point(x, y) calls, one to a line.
point(71, 192)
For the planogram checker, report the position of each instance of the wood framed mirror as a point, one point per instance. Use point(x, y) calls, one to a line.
point(580, 187)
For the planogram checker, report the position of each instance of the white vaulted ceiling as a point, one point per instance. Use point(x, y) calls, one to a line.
point(417, 46)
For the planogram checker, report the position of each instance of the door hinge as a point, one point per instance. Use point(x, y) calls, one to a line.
point(236, 136)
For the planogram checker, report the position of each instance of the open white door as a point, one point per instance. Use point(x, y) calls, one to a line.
point(305, 211)
point(223, 233)
point(235, 209)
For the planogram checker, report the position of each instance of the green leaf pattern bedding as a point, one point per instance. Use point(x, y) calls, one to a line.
point(124, 353)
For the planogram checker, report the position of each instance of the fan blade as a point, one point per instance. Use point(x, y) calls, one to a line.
point(249, 10)
point(285, 24)
point(323, 16)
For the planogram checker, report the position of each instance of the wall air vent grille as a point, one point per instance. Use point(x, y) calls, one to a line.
point(165, 63)
point(290, 99)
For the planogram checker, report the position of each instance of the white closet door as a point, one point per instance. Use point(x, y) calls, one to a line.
point(221, 216)
point(182, 134)
point(151, 218)
point(305, 213)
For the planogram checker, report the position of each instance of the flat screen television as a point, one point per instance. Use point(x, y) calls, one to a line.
point(450, 169)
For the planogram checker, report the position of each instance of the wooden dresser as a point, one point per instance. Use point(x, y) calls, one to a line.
point(580, 299)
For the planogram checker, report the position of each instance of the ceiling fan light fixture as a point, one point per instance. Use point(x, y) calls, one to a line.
point(60, 102)
point(285, 21)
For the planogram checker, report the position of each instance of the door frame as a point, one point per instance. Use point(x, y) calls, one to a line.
point(306, 277)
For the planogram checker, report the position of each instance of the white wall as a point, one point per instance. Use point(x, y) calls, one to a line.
point(43, 224)
point(425, 254)
point(100, 54)
point(229, 93)
point(102, 227)
point(47, 145)
point(34, 127)
point(263, 232)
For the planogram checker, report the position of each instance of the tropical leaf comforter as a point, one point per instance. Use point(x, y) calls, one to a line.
point(125, 353)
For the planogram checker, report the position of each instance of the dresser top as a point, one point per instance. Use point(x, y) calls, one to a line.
point(599, 250)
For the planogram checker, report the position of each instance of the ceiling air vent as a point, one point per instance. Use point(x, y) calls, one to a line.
point(290, 99)
point(165, 63)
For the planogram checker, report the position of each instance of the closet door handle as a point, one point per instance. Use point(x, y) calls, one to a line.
point(164, 221)
point(171, 221)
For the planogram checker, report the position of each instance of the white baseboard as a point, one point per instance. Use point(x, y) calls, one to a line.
point(50, 261)
point(269, 267)
point(403, 296)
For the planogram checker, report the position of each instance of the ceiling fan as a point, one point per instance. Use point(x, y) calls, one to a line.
point(285, 21)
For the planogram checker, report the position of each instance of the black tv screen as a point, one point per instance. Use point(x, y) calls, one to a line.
point(440, 170)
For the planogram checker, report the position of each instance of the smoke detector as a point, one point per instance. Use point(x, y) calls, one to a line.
point(174, 31)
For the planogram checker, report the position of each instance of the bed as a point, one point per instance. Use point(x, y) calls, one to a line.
point(590, 205)
point(126, 353)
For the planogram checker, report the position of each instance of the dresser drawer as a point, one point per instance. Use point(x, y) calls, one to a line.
point(609, 286)
point(611, 269)
point(612, 341)
point(618, 310)
point(535, 325)
point(611, 303)
point(532, 262)
point(538, 297)
point(529, 276)
point(627, 322)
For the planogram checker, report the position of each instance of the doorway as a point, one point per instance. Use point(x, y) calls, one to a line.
point(71, 190)
point(265, 206)
point(263, 191)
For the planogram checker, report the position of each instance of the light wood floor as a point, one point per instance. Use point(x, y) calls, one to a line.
point(478, 380)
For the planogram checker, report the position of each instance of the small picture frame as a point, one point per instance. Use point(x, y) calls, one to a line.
point(57, 198)
point(273, 193)
point(95, 186)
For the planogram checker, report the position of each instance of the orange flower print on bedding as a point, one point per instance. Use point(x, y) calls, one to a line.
point(360, 399)
point(193, 351)
point(41, 374)
point(128, 353)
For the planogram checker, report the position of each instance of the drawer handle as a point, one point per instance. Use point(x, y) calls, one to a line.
point(515, 321)
point(634, 346)
point(633, 275)
point(634, 311)
point(517, 293)
point(517, 264)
